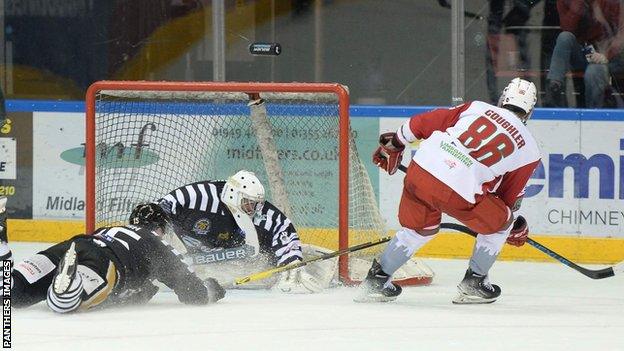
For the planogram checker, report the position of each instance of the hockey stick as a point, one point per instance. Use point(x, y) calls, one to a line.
point(268, 273)
point(592, 273)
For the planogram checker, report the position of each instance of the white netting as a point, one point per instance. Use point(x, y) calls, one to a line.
point(149, 143)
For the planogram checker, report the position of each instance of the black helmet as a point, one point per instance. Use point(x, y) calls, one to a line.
point(150, 216)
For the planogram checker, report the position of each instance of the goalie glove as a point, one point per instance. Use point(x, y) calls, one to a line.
point(519, 233)
point(298, 281)
point(389, 153)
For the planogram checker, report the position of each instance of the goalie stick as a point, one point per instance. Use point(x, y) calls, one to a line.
point(591, 273)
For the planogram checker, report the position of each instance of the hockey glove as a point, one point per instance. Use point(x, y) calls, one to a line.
point(519, 233)
point(389, 153)
point(215, 290)
point(298, 281)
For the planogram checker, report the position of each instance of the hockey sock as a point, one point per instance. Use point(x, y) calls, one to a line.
point(67, 301)
point(401, 248)
point(486, 250)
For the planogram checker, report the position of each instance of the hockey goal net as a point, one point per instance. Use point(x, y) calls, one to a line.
point(144, 139)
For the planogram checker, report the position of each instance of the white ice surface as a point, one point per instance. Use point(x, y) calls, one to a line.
point(544, 306)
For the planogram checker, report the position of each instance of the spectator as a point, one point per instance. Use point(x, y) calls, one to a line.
point(507, 32)
point(590, 41)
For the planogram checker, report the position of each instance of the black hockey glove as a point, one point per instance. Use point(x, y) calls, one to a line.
point(215, 290)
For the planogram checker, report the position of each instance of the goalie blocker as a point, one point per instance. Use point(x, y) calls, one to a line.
point(227, 263)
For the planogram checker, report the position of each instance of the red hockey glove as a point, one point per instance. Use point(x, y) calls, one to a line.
point(389, 153)
point(519, 233)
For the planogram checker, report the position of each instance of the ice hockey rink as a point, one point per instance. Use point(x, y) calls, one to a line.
point(544, 306)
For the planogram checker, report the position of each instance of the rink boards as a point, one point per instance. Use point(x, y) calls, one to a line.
point(572, 201)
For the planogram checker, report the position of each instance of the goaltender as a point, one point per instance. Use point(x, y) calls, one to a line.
point(229, 223)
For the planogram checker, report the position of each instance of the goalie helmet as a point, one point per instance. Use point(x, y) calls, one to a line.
point(243, 192)
point(521, 95)
point(150, 216)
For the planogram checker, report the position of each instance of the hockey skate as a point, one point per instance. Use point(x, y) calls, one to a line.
point(377, 287)
point(5, 251)
point(66, 271)
point(476, 289)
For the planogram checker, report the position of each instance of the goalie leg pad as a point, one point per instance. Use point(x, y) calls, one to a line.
point(298, 281)
point(401, 248)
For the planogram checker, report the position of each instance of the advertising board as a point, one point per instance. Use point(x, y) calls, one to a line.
point(576, 190)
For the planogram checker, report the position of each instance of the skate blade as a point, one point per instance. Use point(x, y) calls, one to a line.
point(62, 279)
point(463, 299)
point(364, 298)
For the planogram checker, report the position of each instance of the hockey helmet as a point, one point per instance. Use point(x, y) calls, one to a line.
point(521, 96)
point(150, 216)
point(244, 192)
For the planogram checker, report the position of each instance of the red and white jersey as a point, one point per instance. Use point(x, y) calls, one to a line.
point(475, 148)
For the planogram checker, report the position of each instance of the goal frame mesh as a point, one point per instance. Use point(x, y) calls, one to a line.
point(338, 90)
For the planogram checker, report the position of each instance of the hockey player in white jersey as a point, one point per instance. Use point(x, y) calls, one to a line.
point(228, 224)
point(473, 165)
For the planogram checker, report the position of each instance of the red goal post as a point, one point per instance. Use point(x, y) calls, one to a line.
point(113, 105)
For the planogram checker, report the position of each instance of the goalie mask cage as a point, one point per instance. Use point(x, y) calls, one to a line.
point(144, 139)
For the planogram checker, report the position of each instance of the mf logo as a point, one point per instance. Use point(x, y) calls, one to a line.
point(117, 155)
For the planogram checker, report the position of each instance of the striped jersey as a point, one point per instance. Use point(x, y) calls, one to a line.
point(204, 223)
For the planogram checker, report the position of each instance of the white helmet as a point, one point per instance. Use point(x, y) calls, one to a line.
point(243, 192)
point(521, 94)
